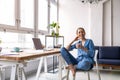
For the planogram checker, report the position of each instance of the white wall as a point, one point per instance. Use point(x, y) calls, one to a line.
point(96, 23)
point(101, 21)
point(109, 25)
point(116, 22)
point(73, 14)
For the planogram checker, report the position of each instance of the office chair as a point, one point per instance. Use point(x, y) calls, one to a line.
point(88, 72)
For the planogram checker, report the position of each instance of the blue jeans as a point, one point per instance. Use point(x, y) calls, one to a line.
point(80, 64)
point(68, 57)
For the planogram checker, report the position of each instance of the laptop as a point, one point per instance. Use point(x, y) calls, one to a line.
point(37, 43)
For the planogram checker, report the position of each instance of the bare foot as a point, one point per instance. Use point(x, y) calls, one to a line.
point(72, 68)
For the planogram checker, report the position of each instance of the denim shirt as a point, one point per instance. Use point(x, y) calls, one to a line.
point(82, 55)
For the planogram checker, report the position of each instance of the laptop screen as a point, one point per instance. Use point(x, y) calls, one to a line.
point(37, 43)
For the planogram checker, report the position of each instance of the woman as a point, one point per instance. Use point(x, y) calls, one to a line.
point(85, 47)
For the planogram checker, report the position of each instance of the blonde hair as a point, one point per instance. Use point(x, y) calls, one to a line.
point(80, 28)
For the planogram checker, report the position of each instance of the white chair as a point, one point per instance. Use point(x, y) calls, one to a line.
point(2, 72)
point(88, 72)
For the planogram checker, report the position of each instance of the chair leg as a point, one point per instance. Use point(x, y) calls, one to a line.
point(88, 75)
point(98, 73)
point(68, 71)
point(74, 77)
point(2, 73)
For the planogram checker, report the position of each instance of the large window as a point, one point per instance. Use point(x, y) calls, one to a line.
point(11, 40)
point(53, 11)
point(21, 20)
point(27, 13)
point(7, 12)
point(42, 14)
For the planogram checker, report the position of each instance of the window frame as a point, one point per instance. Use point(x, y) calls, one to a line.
point(17, 28)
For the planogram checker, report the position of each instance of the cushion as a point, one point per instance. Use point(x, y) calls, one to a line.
point(109, 52)
point(109, 61)
point(96, 47)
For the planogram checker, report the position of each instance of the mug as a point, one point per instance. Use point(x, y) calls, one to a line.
point(78, 45)
point(16, 49)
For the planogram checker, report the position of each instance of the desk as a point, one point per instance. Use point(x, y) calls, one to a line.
point(18, 61)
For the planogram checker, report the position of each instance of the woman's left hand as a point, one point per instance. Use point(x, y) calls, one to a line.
point(78, 45)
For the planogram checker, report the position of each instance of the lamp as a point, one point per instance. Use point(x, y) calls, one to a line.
point(90, 1)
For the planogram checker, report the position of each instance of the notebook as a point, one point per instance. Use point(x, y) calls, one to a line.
point(37, 43)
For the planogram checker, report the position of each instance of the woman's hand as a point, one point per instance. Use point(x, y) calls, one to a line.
point(78, 45)
point(76, 38)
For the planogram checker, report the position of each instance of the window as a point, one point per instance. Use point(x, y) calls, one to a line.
point(21, 20)
point(27, 13)
point(7, 12)
point(53, 11)
point(16, 40)
point(43, 15)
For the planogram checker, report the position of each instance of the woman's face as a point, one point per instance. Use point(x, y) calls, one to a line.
point(81, 33)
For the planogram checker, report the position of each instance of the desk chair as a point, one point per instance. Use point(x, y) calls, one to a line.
point(88, 72)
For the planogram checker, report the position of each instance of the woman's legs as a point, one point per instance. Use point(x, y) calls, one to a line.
point(68, 57)
point(71, 61)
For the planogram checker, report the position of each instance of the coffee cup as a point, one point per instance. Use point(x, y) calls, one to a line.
point(78, 45)
point(16, 49)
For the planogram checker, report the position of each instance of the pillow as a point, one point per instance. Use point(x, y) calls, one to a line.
point(109, 52)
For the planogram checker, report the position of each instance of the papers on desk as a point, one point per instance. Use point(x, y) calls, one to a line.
point(9, 53)
point(27, 51)
point(33, 51)
point(48, 49)
point(37, 51)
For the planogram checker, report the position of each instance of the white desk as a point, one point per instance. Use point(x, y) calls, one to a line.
point(19, 61)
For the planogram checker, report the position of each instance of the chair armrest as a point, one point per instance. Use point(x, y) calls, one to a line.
point(96, 53)
point(95, 57)
point(96, 64)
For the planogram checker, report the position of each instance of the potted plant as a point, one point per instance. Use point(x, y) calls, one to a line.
point(55, 29)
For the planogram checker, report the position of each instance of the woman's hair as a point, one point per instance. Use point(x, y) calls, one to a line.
point(80, 28)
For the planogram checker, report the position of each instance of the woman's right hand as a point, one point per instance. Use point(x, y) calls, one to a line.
point(76, 38)
point(78, 45)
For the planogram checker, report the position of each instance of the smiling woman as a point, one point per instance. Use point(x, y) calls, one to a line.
point(85, 54)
